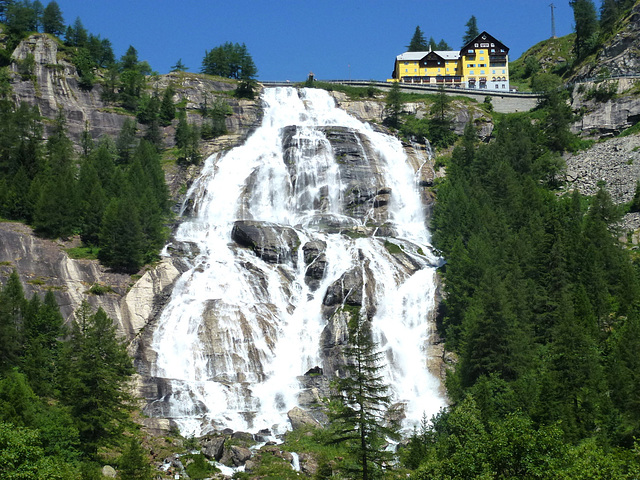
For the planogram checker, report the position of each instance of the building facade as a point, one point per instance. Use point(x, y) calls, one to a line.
point(483, 63)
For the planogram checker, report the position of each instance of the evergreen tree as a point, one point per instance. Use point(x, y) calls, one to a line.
point(38, 12)
point(167, 107)
point(126, 141)
point(57, 205)
point(230, 60)
point(132, 79)
point(52, 21)
point(93, 202)
point(134, 465)
point(12, 306)
point(21, 18)
point(443, 45)
point(44, 327)
point(393, 106)
point(472, 30)
point(624, 378)
point(121, 238)
point(586, 27)
point(360, 403)
point(97, 368)
point(418, 42)
point(440, 133)
point(179, 66)
point(609, 14)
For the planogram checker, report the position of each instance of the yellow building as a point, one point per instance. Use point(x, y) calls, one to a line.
point(483, 63)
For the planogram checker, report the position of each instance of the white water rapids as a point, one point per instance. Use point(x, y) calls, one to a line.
point(238, 331)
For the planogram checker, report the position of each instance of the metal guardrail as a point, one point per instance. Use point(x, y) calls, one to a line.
point(411, 86)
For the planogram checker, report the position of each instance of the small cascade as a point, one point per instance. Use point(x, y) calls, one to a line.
point(279, 226)
point(295, 462)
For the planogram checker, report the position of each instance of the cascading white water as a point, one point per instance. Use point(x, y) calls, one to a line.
point(238, 330)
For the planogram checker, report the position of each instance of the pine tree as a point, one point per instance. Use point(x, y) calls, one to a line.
point(472, 30)
point(133, 463)
point(360, 402)
point(167, 107)
point(126, 141)
point(586, 26)
point(97, 369)
point(12, 306)
point(93, 203)
point(179, 66)
point(44, 327)
point(609, 13)
point(121, 237)
point(393, 106)
point(418, 42)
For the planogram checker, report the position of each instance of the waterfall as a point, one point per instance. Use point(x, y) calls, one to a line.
point(280, 225)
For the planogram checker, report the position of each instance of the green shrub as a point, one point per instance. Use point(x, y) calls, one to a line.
point(97, 289)
point(200, 468)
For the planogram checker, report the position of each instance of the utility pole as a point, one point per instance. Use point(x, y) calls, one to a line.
point(553, 22)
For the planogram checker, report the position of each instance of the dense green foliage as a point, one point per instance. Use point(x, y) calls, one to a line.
point(418, 43)
point(472, 30)
point(542, 308)
point(586, 26)
point(115, 198)
point(63, 395)
point(232, 60)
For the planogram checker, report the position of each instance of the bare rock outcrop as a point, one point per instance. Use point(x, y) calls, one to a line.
point(620, 56)
point(614, 164)
point(54, 86)
point(44, 264)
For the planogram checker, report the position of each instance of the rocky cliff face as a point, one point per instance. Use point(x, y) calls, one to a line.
point(54, 86)
point(44, 264)
point(620, 57)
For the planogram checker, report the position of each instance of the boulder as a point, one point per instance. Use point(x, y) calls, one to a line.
point(300, 418)
point(271, 242)
point(308, 464)
point(109, 472)
point(213, 448)
point(235, 456)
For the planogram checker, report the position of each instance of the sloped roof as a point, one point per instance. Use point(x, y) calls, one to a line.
point(448, 54)
point(488, 37)
point(413, 56)
point(417, 56)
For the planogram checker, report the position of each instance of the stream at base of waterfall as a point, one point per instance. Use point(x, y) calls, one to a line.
point(316, 212)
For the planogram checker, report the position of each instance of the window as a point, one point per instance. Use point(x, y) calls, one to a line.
point(471, 65)
point(503, 72)
point(481, 72)
point(493, 72)
point(471, 72)
point(503, 85)
point(481, 58)
point(471, 52)
point(406, 63)
point(482, 65)
point(406, 70)
point(415, 69)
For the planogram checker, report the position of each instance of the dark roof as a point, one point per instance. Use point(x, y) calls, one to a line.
point(484, 37)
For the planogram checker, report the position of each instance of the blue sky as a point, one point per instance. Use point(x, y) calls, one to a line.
point(336, 39)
